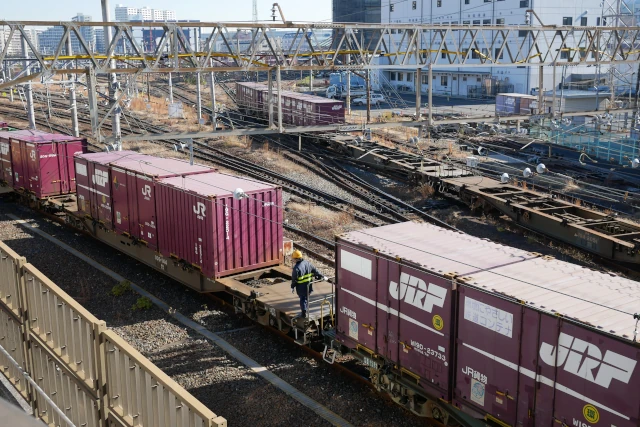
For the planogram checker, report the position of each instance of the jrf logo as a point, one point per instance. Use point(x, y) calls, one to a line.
point(585, 360)
point(32, 154)
point(100, 178)
point(200, 210)
point(414, 291)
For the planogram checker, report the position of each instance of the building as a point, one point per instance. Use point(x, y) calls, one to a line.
point(126, 14)
point(486, 80)
point(15, 44)
point(49, 38)
point(368, 11)
point(87, 33)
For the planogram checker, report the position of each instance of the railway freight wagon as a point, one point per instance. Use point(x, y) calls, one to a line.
point(298, 109)
point(40, 163)
point(458, 328)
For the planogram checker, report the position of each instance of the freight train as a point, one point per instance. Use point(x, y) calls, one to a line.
point(452, 327)
point(298, 109)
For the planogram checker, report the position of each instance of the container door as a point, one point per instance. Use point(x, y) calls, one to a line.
point(83, 187)
point(18, 164)
point(67, 151)
point(5, 157)
point(424, 326)
point(43, 169)
point(388, 323)
point(488, 354)
point(101, 194)
point(145, 224)
point(120, 200)
point(357, 295)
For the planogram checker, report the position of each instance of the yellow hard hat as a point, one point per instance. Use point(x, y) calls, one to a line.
point(296, 254)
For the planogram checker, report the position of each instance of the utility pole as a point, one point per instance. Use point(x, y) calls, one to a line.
point(113, 86)
point(418, 85)
point(279, 88)
point(28, 92)
point(270, 95)
point(430, 98)
point(214, 116)
point(198, 97)
point(348, 61)
point(368, 83)
point(170, 90)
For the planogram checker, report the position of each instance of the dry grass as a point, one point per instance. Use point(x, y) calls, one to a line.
point(319, 220)
point(426, 191)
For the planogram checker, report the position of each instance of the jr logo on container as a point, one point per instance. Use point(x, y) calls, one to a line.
point(200, 210)
point(146, 192)
point(414, 291)
point(4, 147)
point(585, 360)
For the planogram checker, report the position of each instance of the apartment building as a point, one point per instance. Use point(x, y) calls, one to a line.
point(49, 38)
point(15, 44)
point(126, 14)
point(487, 80)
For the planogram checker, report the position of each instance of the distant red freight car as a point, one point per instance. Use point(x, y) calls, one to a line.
point(42, 163)
point(200, 222)
point(93, 179)
point(500, 333)
point(298, 109)
point(133, 184)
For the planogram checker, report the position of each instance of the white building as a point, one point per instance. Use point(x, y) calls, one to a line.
point(126, 13)
point(477, 80)
point(15, 44)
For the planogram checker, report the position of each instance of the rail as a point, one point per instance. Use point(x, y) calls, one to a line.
point(72, 369)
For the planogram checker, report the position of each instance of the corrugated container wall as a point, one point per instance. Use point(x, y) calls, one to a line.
point(492, 329)
point(133, 184)
point(6, 170)
point(200, 222)
point(93, 177)
point(43, 163)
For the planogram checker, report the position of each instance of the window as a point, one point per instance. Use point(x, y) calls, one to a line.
point(439, 3)
point(414, 5)
point(583, 21)
point(400, 77)
point(443, 55)
point(391, 7)
point(523, 33)
point(500, 21)
point(487, 1)
point(409, 77)
point(478, 79)
point(394, 76)
point(425, 80)
point(466, 22)
point(564, 54)
point(495, 54)
point(486, 22)
point(444, 81)
point(475, 54)
point(524, 3)
point(464, 78)
point(567, 20)
point(466, 1)
point(476, 22)
point(393, 31)
point(597, 21)
point(454, 78)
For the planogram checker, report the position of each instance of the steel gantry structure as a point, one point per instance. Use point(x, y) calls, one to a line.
point(389, 46)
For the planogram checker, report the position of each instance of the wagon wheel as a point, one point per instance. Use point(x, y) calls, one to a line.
point(526, 216)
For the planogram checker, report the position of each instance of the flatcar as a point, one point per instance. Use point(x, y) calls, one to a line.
point(298, 109)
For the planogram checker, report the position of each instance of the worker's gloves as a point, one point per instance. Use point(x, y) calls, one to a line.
point(325, 278)
point(293, 290)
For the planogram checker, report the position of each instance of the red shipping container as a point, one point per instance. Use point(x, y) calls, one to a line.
point(94, 183)
point(501, 333)
point(6, 171)
point(200, 221)
point(13, 172)
point(133, 183)
point(43, 163)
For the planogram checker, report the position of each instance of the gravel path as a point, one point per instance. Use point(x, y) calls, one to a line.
point(220, 382)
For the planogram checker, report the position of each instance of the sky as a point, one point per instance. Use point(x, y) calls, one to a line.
point(204, 10)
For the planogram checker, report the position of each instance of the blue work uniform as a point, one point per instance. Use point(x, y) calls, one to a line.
point(301, 278)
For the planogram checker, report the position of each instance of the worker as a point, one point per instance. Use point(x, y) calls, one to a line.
point(301, 279)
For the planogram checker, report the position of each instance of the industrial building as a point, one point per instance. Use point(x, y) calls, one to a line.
point(488, 81)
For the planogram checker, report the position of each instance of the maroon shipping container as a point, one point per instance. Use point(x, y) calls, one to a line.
point(200, 222)
point(497, 331)
point(43, 163)
point(6, 170)
point(133, 183)
point(298, 109)
point(94, 183)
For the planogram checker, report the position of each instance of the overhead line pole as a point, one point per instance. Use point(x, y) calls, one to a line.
point(72, 98)
point(113, 80)
point(28, 91)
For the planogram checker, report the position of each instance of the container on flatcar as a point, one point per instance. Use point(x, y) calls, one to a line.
point(500, 333)
point(202, 223)
point(93, 180)
point(42, 163)
point(412, 322)
point(514, 103)
point(6, 169)
point(4, 126)
point(298, 109)
point(133, 184)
